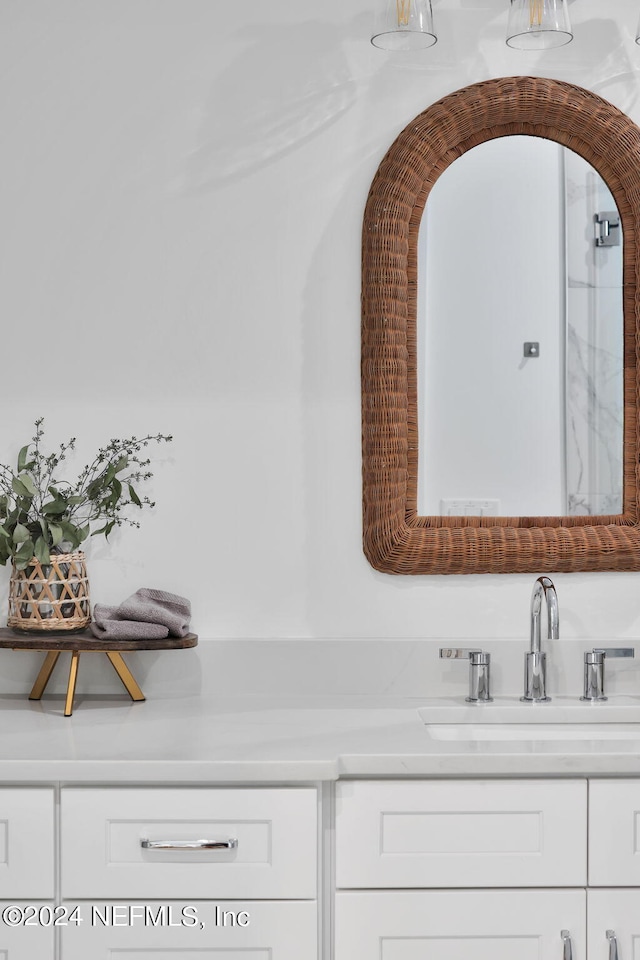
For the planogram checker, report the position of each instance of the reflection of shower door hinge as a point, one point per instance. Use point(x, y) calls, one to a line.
point(607, 228)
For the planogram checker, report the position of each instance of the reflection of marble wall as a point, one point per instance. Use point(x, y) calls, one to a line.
point(594, 394)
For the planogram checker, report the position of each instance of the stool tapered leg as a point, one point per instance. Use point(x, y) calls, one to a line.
point(71, 688)
point(43, 677)
point(125, 675)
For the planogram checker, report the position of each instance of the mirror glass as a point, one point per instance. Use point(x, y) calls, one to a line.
point(520, 336)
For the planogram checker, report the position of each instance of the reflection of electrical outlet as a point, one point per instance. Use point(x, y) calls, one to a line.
point(469, 508)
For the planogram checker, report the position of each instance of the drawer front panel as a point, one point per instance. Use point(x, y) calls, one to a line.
point(459, 925)
point(227, 930)
point(26, 842)
point(103, 830)
point(614, 833)
point(461, 833)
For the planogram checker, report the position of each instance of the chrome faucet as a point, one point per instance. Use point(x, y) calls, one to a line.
point(479, 671)
point(535, 661)
point(594, 670)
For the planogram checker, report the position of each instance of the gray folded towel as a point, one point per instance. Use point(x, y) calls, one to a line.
point(107, 625)
point(158, 606)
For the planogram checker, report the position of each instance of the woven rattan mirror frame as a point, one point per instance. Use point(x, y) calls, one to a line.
point(396, 539)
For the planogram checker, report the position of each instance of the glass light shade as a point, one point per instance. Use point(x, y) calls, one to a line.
point(538, 24)
point(404, 25)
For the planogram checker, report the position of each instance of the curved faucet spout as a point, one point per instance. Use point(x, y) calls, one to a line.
point(543, 587)
point(535, 662)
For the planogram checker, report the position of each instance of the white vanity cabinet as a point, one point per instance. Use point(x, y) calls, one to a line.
point(513, 855)
point(27, 843)
point(480, 869)
point(482, 837)
point(136, 862)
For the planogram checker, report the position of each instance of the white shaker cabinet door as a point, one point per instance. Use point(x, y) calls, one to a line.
point(228, 930)
point(460, 925)
point(26, 843)
point(464, 833)
point(614, 924)
point(32, 938)
point(614, 833)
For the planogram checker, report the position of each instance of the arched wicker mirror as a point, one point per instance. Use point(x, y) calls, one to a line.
point(396, 538)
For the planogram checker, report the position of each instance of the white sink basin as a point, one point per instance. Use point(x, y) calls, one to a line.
point(508, 720)
point(533, 731)
point(561, 712)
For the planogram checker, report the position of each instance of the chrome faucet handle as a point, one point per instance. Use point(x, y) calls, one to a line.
point(611, 652)
point(458, 653)
point(594, 670)
point(479, 671)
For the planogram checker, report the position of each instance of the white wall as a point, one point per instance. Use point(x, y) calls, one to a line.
point(181, 200)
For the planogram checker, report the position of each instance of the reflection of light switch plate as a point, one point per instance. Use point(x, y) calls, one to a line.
point(469, 508)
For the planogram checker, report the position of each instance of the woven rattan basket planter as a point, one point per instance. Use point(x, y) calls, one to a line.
point(53, 597)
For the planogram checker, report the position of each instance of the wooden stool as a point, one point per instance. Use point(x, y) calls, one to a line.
point(78, 643)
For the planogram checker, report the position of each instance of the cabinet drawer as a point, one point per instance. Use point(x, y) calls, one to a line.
point(270, 931)
point(455, 925)
point(614, 833)
point(103, 830)
point(26, 842)
point(461, 833)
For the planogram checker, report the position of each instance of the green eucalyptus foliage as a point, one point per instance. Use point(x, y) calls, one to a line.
point(40, 513)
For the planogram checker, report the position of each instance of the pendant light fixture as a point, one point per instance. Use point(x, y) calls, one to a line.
point(405, 25)
point(538, 24)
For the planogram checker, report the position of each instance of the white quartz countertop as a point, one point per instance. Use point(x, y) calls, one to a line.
point(261, 739)
point(301, 711)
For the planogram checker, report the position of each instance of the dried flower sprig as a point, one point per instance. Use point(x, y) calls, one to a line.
point(41, 513)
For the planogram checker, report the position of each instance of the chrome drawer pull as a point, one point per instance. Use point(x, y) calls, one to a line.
point(613, 945)
point(567, 953)
point(229, 844)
